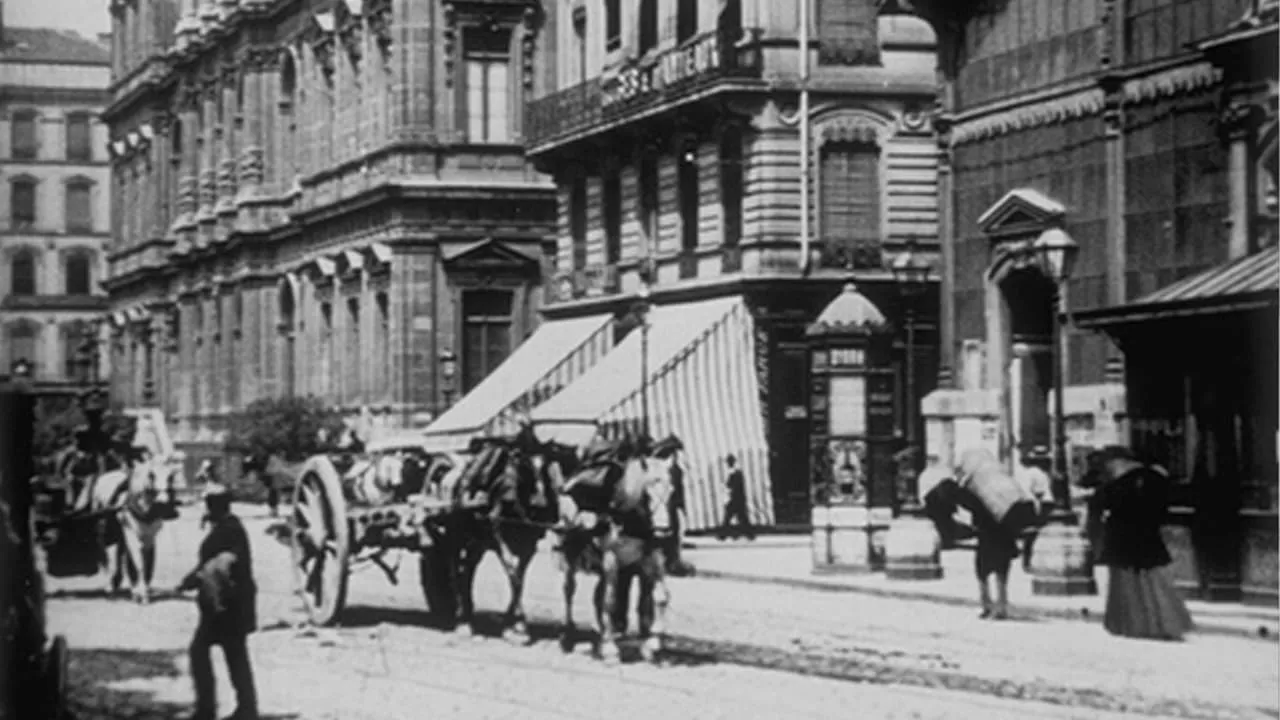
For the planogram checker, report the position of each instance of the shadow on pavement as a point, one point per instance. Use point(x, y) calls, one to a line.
point(97, 674)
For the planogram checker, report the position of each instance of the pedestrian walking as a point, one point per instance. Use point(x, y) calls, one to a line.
point(1126, 512)
point(1032, 474)
point(669, 449)
point(736, 509)
point(1001, 509)
point(226, 598)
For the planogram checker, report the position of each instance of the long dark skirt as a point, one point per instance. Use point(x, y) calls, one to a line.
point(1144, 604)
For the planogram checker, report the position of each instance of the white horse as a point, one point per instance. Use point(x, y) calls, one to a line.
point(135, 501)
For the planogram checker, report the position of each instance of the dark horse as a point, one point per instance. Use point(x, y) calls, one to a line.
point(616, 519)
point(510, 505)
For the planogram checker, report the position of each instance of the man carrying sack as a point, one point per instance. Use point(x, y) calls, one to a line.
point(1001, 509)
point(226, 597)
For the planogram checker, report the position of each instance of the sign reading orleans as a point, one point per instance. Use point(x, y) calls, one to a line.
point(704, 56)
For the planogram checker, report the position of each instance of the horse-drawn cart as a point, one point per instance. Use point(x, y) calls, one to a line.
point(353, 510)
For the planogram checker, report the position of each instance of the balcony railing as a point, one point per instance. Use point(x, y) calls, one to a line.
point(697, 63)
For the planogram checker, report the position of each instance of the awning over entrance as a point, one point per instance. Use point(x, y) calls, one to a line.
point(702, 386)
point(1248, 283)
point(558, 352)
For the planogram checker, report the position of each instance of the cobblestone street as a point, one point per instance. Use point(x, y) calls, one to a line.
point(738, 650)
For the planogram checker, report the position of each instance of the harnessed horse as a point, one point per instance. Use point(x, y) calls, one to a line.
point(135, 501)
point(514, 506)
point(619, 519)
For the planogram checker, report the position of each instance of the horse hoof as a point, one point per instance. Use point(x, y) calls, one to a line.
point(650, 648)
point(463, 630)
point(610, 654)
point(517, 636)
point(566, 642)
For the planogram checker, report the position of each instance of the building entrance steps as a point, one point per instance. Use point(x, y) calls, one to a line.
point(788, 561)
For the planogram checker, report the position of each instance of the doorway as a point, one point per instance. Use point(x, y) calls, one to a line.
point(1028, 300)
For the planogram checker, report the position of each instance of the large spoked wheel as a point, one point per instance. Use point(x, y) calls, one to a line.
point(56, 660)
point(321, 541)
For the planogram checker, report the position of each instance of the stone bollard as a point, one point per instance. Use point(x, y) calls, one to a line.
point(912, 549)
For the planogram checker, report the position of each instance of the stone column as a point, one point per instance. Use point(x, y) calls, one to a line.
point(229, 142)
point(162, 170)
point(205, 215)
point(187, 199)
point(416, 111)
point(117, 39)
point(258, 65)
point(1240, 120)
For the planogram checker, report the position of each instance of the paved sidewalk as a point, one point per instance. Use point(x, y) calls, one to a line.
point(787, 560)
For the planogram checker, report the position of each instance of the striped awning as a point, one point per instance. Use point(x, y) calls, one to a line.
point(1246, 283)
point(702, 387)
point(557, 353)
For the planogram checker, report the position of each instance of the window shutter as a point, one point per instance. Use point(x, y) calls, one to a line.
point(847, 32)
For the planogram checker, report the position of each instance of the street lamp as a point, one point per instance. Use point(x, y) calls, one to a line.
point(21, 369)
point(641, 309)
point(448, 371)
point(911, 274)
point(1056, 253)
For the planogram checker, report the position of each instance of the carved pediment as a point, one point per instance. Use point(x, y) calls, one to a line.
point(1021, 211)
point(489, 254)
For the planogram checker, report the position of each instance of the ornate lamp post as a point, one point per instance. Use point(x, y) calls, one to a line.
point(912, 277)
point(449, 372)
point(1062, 563)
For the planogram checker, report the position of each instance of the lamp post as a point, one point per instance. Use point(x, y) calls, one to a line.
point(1056, 253)
point(449, 372)
point(1061, 564)
point(912, 277)
point(641, 310)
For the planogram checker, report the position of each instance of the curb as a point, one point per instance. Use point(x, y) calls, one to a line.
point(1265, 630)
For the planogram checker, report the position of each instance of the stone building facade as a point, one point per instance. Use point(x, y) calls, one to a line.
point(672, 133)
point(55, 208)
point(1124, 123)
point(320, 197)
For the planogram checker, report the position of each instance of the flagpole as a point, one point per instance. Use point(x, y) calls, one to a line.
point(804, 136)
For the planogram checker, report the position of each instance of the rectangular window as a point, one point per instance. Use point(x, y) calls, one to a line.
point(22, 204)
point(486, 334)
point(612, 25)
point(578, 222)
point(688, 183)
point(649, 209)
point(23, 136)
point(326, 347)
point(79, 207)
point(648, 25)
point(487, 59)
point(79, 145)
point(382, 347)
point(847, 32)
point(22, 345)
point(580, 39)
point(612, 217)
point(849, 194)
point(353, 368)
point(731, 181)
point(686, 20)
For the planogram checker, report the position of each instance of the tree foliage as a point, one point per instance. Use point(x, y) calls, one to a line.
point(290, 427)
point(59, 418)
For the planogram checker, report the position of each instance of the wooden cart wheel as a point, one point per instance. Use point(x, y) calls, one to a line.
point(437, 586)
point(56, 676)
point(321, 540)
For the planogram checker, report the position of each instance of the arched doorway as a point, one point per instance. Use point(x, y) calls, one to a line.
point(287, 327)
point(1028, 297)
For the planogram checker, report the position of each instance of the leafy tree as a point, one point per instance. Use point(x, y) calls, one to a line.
point(289, 427)
point(58, 419)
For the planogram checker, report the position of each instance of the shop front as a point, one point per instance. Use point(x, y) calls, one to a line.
point(1201, 380)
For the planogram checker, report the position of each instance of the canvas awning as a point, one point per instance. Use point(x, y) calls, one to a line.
point(702, 387)
point(556, 354)
point(1248, 283)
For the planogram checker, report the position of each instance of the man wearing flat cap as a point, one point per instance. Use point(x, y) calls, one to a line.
point(226, 596)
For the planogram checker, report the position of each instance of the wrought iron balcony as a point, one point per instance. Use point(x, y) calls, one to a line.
point(638, 85)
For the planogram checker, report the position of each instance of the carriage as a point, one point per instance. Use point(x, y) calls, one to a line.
point(34, 664)
point(350, 510)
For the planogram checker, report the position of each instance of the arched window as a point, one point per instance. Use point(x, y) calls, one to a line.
point(79, 142)
point(22, 337)
point(24, 140)
point(79, 274)
point(288, 107)
point(22, 202)
point(22, 272)
point(79, 205)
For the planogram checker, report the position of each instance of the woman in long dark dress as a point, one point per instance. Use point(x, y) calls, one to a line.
point(1126, 512)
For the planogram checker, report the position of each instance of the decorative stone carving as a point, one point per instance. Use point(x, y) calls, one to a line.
point(262, 59)
point(378, 13)
point(230, 75)
point(528, 46)
point(450, 42)
point(162, 122)
point(252, 166)
point(351, 33)
point(1239, 119)
point(188, 94)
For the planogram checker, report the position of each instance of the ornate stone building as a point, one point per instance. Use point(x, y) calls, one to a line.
point(321, 197)
point(1146, 130)
point(671, 130)
point(55, 209)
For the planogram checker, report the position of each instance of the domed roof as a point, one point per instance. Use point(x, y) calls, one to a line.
point(851, 311)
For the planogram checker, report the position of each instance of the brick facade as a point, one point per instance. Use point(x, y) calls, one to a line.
point(287, 218)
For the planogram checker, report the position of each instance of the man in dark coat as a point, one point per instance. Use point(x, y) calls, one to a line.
point(223, 577)
point(736, 508)
point(670, 447)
